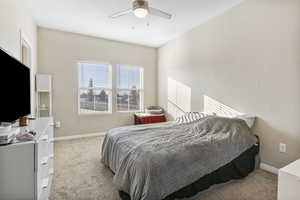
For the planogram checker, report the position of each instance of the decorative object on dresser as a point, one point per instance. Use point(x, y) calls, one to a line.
point(23, 121)
point(8, 136)
point(44, 92)
point(26, 168)
point(289, 182)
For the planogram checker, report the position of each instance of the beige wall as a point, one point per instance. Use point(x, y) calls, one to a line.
point(249, 59)
point(58, 56)
point(15, 17)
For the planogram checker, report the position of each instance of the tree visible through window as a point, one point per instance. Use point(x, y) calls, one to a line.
point(129, 88)
point(95, 88)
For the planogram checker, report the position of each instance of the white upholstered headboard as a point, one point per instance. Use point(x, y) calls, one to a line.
point(213, 106)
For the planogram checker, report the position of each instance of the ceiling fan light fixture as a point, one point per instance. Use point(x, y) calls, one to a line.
point(140, 8)
point(140, 12)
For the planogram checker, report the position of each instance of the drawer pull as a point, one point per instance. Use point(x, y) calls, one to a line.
point(44, 138)
point(44, 161)
point(45, 183)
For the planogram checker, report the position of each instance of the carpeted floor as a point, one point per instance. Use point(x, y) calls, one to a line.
point(79, 175)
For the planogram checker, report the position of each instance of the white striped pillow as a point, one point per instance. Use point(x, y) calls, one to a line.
point(191, 117)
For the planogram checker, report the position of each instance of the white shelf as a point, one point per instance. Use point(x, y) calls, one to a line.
point(44, 109)
point(44, 88)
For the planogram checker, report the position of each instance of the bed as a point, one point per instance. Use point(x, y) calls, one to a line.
point(174, 160)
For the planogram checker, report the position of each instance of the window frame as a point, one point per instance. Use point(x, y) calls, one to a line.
point(141, 89)
point(110, 88)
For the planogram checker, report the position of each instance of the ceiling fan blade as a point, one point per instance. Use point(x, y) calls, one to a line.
point(159, 13)
point(121, 13)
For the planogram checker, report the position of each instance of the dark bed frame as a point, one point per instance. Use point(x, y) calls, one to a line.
point(237, 169)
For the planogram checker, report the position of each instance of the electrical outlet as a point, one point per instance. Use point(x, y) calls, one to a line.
point(282, 148)
point(57, 124)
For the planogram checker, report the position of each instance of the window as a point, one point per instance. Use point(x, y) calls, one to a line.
point(95, 89)
point(26, 59)
point(130, 89)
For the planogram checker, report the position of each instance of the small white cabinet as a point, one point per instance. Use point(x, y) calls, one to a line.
point(26, 168)
point(289, 182)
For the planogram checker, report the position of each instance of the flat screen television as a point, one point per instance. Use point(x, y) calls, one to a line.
point(14, 88)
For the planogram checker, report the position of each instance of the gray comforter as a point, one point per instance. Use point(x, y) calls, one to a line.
point(152, 161)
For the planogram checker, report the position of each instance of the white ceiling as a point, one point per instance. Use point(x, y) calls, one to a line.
point(90, 17)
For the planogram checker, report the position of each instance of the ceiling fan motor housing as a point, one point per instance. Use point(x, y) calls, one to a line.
point(140, 4)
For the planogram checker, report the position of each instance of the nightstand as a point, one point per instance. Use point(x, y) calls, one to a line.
point(146, 118)
point(289, 182)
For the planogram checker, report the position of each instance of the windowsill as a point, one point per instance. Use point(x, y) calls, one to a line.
point(134, 111)
point(109, 113)
point(93, 114)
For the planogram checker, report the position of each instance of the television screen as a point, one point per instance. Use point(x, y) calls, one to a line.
point(14, 88)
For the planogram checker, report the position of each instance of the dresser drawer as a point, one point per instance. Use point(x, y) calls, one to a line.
point(51, 166)
point(43, 168)
point(43, 140)
point(42, 159)
point(50, 131)
point(51, 147)
point(42, 150)
point(44, 189)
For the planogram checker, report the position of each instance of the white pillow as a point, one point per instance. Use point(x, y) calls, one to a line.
point(249, 119)
point(191, 117)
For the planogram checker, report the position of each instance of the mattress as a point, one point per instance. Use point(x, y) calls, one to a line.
point(239, 168)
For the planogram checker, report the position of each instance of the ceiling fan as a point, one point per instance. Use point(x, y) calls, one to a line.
point(140, 8)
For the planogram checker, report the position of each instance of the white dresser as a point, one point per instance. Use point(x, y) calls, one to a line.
point(289, 182)
point(26, 168)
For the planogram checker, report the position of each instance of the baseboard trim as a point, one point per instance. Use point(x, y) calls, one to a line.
point(269, 168)
point(79, 136)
